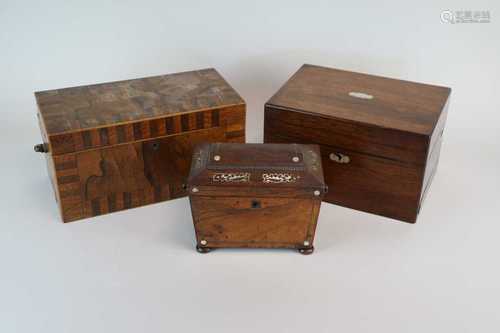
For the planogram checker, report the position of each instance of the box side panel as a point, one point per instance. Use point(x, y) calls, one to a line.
point(49, 159)
point(311, 232)
point(303, 127)
point(435, 144)
point(233, 120)
point(430, 169)
point(100, 181)
point(254, 222)
point(71, 198)
point(437, 133)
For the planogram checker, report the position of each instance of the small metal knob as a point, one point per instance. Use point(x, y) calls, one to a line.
point(195, 190)
point(203, 242)
point(295, 159)
point(340, 158)
point(317, 192)
point(306, 243)
point(217, 158)
point(40, 148)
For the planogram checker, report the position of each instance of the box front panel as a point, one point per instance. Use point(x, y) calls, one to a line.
point(369, 179)
point(369, 183)
point(372, 184)
point(310, 128)
point(254, 222)
point(231, 118)
point(105, 180)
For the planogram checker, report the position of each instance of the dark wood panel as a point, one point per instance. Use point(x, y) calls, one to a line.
point(373, 184)
point(262, 166)
point(234, 222)
point(306, 128)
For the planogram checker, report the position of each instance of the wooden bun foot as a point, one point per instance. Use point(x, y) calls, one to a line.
point(306, 250)
point(201, 249)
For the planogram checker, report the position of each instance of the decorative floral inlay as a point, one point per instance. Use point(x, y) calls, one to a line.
point(279, 178)
point(238, 177)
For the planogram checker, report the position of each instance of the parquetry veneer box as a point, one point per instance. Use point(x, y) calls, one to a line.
point(118, 145)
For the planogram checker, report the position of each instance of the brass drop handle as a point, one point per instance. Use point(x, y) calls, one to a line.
point(340, 158)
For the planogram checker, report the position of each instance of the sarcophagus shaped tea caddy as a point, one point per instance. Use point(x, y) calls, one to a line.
point(256, 195)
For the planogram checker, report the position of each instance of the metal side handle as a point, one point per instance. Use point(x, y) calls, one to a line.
point(41, 148)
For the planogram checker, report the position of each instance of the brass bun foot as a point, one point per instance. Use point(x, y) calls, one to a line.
point(201, 249)
point(306, 250)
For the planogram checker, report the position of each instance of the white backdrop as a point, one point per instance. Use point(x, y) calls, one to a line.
point(137, 270)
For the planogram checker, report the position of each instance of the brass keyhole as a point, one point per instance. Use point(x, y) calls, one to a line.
point(255, 204)
point(156, 146)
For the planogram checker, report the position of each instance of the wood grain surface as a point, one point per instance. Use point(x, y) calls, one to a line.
point(397, 104)
point(232, 222)
point(108, 104)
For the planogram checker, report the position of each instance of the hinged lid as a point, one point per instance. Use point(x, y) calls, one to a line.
point(250, 169)
point(368, 99)
point(370, 114)
point(92, 116)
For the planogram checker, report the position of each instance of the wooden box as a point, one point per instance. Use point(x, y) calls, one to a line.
point(256, 195)
point(380, 138)
point(118, 145)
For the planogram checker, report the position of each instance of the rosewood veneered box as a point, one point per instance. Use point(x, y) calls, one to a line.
point(380, 138)
point(256, 195)
point(124, 144)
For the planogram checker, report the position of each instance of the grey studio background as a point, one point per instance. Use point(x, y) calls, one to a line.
point(138, 271)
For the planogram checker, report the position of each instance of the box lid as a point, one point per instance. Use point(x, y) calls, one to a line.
point(64, 112)
point(362, 98)
point(257, 169)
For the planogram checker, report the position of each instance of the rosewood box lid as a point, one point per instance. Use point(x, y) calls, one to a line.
point(362, 98)
point(107, 105)
point(262, 167)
